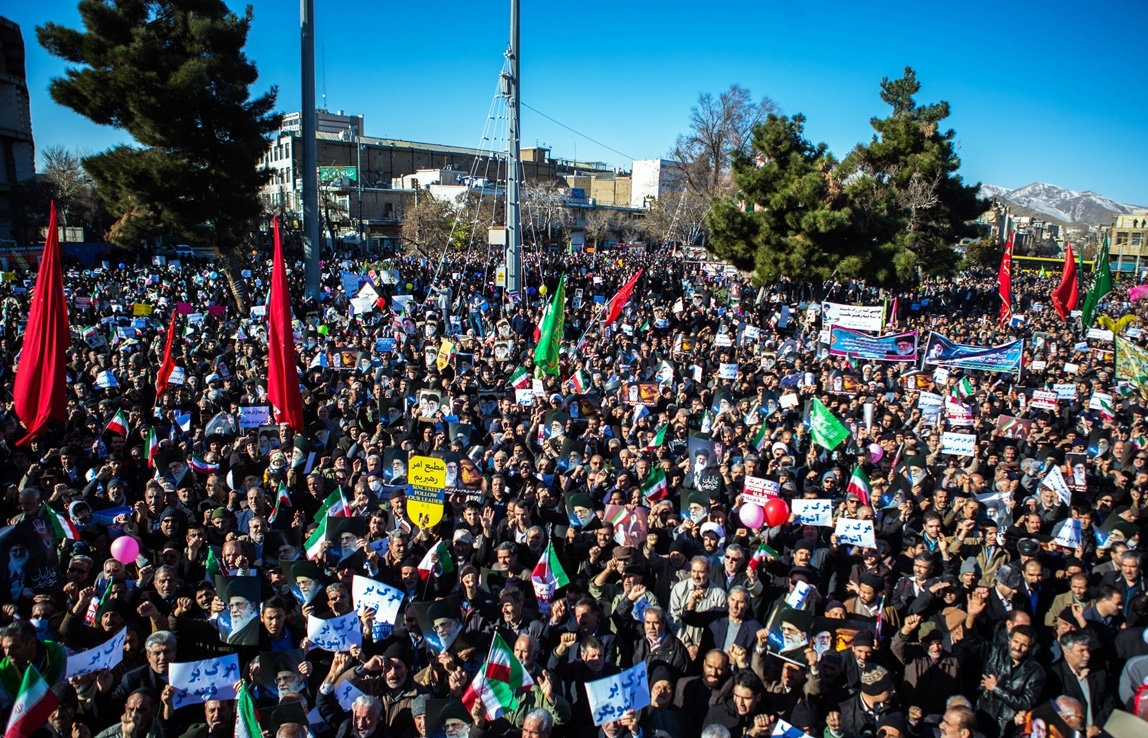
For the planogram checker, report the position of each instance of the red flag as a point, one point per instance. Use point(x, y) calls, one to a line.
point(1067, 295)
point(618, 301)
point(282, 375)
point(39, 391)
point(167, 365)
point(1005, 279)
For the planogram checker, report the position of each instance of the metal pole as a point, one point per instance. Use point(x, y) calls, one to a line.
point(359, 181)
point(310, 173)
point(513, 210)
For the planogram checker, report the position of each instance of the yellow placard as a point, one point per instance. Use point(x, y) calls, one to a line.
point(141, 309)
point(445, 349)
point(427, 477)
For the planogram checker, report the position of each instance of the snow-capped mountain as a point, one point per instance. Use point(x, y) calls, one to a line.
point(1066, 206)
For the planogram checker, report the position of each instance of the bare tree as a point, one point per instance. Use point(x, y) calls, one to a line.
point(600, 223)
point(545, 207)
point(70, 186)
point(427, 225)
point(719, 126)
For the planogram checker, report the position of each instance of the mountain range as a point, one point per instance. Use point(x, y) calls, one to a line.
point(1059, 204)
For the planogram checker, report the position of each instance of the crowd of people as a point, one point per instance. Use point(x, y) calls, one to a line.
point(1002, 594)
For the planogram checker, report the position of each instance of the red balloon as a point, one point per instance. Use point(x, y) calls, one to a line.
point(776, 512)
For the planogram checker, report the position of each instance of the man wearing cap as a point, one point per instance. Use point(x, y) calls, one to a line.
point(876, 697)
point(931, 672)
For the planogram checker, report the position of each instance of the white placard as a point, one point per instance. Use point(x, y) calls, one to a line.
point(1055, 481)
point(384, 599)
point(258, 311)
point(813, 512)
point(1071, 368)
point(1044, 400)
point(787, 400)
point(1100, 334)
point(958, 444)
point(1101, 401)
point(336, 634)
point(941, 375)
point(362, 305)
point(1065, 391)
point(800, 594)
point(1069, 534)
point(857, 317)
point(750, 333)
point(346, 694)
point(612, 697)
point(852, 532)
point(197, 682)
point(538, 388)
point(254, 416)
point(178, 376)
point(106, 656)
point(723, 340)
point(759, 491)
point(930, 404)
point(524, 397)
point(727, 371)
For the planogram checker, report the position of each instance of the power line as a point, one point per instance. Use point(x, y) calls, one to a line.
point(577, 133)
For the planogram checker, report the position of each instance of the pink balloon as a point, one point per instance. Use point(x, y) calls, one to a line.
point(752, 515)
point(876, 452)
point(776, 512)
point(125, 549)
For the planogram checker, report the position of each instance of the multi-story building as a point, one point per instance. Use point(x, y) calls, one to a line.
point(1128, 239)
point(17, 151)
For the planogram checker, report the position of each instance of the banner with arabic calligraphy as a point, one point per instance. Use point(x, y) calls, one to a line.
point(613, 696)
point(196, 682)
point(1006, 357)
point(1132, 363)
point(105, 656)
point(891, 347)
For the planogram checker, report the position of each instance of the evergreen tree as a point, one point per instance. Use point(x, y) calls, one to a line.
point(172, 74)
point(907, 195)
point(893, 208)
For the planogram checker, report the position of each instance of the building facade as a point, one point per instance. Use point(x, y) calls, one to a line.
point(17, 150)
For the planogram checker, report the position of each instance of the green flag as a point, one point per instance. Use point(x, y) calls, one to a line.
point(550, 335)
point(825, 428)
point(211, 566)
point(1101, 286)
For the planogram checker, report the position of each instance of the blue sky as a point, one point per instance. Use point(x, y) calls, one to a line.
point(1049, 91)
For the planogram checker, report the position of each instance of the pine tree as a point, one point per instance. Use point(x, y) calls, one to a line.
point(173, 75)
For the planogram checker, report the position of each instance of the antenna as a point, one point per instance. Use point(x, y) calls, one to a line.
point(324, 52)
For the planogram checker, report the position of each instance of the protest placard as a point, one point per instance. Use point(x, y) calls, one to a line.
point(813, 512)
point(336, 634)
point(107, 655)
point(851, 532)
point(958, 444)
point(196, 682)
point(612, 697)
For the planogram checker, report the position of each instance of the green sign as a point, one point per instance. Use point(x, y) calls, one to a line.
point(327, 175)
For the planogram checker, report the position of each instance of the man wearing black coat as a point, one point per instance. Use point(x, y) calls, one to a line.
point(1073, 676)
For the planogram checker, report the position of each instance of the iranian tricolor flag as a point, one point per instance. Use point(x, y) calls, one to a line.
point(246, 716)
point(520, 379)
point(859, 485)
point(497, 681)
point(658, 439)
point(548, 576)
point(34, 703)
point(654, 488)
point(579, 382)
point(761, 438)
point(445, 561)
point(62, 526)
point(151, 446)
point(282, 500)
point(118, 423)
point(334, 506)
point(199, 466)
point(964, 388)
point(314, 544)
point(764, 552)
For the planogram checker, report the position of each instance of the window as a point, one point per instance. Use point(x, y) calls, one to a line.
point(1121, 238)
point(1138, 238)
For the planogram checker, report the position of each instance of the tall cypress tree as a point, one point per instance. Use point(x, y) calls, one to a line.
point(173, 75)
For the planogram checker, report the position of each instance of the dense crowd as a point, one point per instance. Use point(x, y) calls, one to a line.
point(968, 616)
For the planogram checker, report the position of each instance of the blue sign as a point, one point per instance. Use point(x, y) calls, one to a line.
point(940, 351)
point(892, 347)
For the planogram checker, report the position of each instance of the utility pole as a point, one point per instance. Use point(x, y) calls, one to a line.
point(359, 182)
point(311, 248)
point(513, 210)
